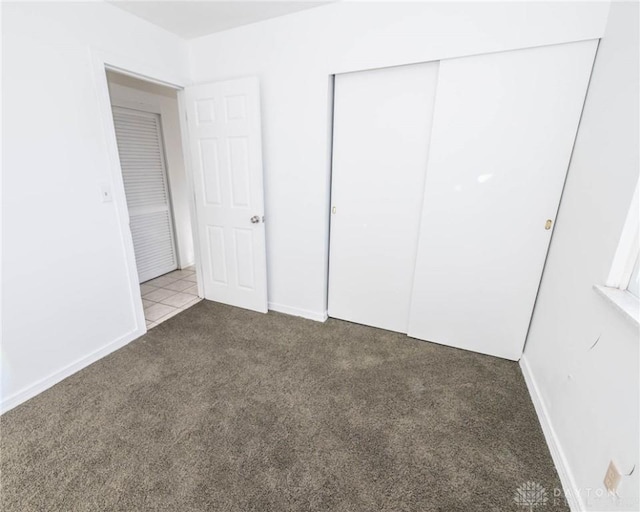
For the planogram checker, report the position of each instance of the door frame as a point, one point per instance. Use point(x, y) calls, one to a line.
point(102, 62)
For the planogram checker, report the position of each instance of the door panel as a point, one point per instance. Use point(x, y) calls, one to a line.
point(382, 123)
point(144, 174)
point(225, 142)
point(502, 137)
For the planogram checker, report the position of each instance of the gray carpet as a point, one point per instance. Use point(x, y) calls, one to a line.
point(228, 410)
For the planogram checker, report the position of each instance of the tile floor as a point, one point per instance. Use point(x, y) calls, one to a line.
point(167, 295)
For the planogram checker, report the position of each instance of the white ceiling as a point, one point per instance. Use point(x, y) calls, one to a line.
point(189, 19)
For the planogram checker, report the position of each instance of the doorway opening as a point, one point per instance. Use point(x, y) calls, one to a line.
point(147, 125)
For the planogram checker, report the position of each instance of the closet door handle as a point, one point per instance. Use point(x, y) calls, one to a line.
point(255, 219)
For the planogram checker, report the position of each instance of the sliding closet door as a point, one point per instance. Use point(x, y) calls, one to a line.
point(503, 132)
point(382, 124)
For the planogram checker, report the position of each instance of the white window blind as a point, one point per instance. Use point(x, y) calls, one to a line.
point(145, 181)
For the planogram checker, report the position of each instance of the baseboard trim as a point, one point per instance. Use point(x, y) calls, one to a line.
point(571, 490)
point(304, 313)
point(43, 384)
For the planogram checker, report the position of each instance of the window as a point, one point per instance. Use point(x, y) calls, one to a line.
point(623, 285)
point(634, 282)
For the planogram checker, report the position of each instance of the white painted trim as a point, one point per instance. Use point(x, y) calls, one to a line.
point(628, 247)
point(304, 313)
point(172, 83)
point(117, 184)
point(101, 62)
point(571, 490)
point(41, 385)
point(126, 65)
point(622, 300)
point(188, 170)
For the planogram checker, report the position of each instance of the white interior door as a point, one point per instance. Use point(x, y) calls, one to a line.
point(224, 140)
point(502, 138)
point(382, 123)
point(144, 173)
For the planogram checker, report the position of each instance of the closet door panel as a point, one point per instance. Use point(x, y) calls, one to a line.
point(144, 173)
point(503, 132)
point(382, 124)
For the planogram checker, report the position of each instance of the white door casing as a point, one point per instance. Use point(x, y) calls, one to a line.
point(224, 140)
point(144, 174)
point(382, 124)
point(502, 138)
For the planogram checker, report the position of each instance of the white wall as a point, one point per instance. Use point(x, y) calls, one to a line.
point(591, 394)
point(294, 57)
point(129, 92)
point(67, 296)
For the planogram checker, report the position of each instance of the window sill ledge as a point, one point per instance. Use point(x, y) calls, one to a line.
point(623, 301)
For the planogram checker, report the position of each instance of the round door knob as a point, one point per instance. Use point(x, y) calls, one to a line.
point(255, 219)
